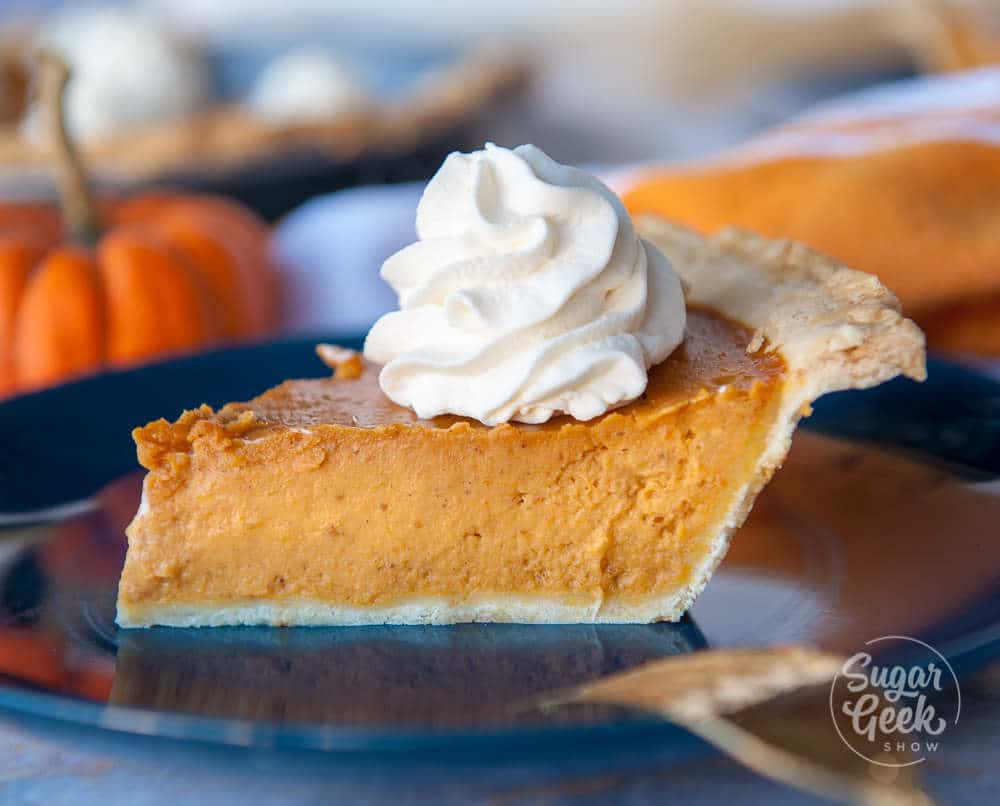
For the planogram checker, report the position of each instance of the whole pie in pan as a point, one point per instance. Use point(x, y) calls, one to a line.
point(901, 181)
point(323, 502)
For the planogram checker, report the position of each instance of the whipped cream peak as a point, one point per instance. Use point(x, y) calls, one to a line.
point(527, 294)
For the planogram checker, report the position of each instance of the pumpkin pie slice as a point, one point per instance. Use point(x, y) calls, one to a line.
point(322, 502)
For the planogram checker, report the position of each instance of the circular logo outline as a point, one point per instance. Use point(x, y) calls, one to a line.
point(951, 671)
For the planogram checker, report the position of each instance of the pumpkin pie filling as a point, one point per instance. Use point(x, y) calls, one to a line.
point(326, 491)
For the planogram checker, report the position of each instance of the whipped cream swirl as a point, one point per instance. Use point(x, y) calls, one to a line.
point(527, 294)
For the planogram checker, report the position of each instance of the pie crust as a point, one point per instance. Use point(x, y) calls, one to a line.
point(835, 327)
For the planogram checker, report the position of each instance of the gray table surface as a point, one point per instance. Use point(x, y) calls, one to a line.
point(44, 762)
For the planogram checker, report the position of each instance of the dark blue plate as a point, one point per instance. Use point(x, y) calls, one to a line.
point(913, 553)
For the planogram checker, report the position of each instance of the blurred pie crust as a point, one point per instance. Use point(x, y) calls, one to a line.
point(229, 135)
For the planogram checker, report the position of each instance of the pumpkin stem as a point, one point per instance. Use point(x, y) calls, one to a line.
point(79, 210)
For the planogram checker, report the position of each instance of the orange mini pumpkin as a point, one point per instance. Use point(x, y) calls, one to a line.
point(156, 274)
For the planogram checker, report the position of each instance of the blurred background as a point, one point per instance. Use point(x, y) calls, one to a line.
point(867, 128)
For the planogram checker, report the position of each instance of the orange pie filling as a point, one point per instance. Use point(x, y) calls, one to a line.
point(324, 493)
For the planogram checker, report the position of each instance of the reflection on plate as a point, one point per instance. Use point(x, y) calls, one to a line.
point(468, 675)
point(57, 635)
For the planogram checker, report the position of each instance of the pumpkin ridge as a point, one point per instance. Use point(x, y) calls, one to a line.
point(59, 327)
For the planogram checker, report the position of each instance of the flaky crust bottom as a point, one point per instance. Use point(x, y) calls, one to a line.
point(835, 329)
point(501, 608)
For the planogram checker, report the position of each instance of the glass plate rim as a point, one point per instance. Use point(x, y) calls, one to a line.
point(342, 739)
